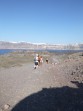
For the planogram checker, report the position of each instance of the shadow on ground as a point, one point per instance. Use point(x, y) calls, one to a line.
point(53, 99)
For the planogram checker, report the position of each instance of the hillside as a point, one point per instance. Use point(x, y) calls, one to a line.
point(56, 86)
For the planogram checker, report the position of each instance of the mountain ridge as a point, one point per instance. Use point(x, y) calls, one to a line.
point(33, 46)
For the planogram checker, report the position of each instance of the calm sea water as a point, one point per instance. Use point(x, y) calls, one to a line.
point(5, 51)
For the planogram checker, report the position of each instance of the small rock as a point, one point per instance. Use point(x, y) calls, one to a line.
point(5, 107)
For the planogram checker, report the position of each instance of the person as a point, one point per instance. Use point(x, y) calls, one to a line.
point(36, 61)
point(47, 61)
point(41, 60)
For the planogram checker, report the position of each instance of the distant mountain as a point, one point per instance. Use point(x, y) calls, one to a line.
point(34, 46)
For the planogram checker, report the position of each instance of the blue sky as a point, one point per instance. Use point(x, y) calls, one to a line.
point(42, 21)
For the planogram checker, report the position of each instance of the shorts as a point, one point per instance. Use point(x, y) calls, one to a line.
point(36, 63)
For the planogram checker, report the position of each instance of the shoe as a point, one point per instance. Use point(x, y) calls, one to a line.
point(34, 67)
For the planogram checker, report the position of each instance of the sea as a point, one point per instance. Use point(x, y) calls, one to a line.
point(6, 51)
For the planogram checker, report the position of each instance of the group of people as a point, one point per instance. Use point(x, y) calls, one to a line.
point(38, 60)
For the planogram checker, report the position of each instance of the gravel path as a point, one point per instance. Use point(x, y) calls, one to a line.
point(17, 83)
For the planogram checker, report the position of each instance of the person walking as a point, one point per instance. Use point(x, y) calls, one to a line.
point(36, 61)
point(41, 60)
point(47, 60)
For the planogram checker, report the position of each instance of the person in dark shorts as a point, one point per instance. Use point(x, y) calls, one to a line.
point(36, 61)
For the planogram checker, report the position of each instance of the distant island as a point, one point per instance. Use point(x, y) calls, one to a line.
point(39, 46)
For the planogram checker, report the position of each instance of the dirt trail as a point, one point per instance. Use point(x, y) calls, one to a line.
point(17, 83)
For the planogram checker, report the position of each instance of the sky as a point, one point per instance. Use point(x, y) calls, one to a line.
point(41, 21)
